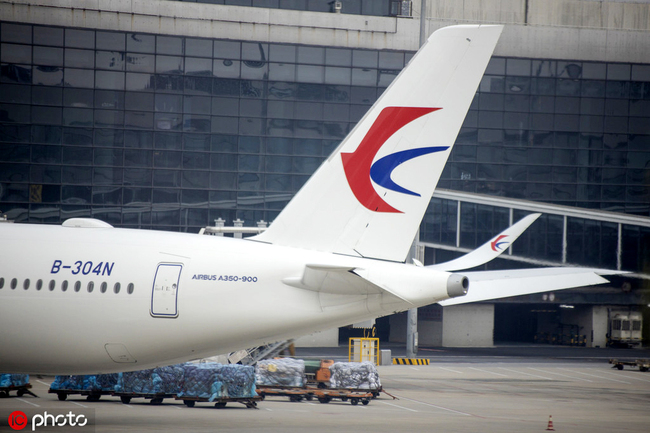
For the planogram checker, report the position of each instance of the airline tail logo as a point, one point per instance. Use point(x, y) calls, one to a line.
point(358, 165)
point(497, 244)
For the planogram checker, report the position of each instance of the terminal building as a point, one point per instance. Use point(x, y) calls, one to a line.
point(170, 115)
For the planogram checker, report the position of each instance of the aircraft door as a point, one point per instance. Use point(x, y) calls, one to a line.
point(164, 294)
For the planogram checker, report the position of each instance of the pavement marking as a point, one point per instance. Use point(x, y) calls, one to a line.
point(436, 406)
point(486, 371)
point(399, 407)
point(600, 377)
point(626, 376)
point(449, 369)
point(43, 383)
point(28, 402)
point(79, 404)
point(563, 375)
point(527, 374)
point(414, 368)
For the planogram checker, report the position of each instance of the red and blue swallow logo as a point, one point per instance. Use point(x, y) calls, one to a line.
point(360, 169)
point(497, 244)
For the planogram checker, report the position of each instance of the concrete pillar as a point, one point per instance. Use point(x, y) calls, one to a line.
point(412, 333)
point(470, 325)
point(599, 327)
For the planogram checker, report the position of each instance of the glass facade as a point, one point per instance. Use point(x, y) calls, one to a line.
point(563, 132)
point(166, 132)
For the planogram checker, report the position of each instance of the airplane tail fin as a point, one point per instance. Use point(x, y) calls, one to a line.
point(368, 198)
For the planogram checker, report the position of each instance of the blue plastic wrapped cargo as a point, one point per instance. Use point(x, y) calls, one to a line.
point(155, 381)
point(214, 381)
point(13, 380)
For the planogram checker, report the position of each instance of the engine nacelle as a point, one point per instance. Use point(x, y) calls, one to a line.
point(417, 286)
point(457, 285)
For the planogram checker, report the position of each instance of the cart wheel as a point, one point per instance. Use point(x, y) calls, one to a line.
point(322, 385)
point(93, 397)
point(295, 398)
point(251, 405)
point(365, 401)
point(324, 399)
point(354, 401)
point(309, 397)
point(344, 399)
point(4, 394)
point(263, 396)
point(643, 368)
point(62, 396)
point(220, 405)
point(20, 392)
point(125, 399)
point(619, 366)
point(156, 401)
point(189, 403)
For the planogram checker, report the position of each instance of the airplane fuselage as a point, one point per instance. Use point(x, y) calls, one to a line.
point(91, 300)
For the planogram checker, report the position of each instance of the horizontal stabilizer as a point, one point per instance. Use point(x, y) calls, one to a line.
point(489, 285)
point(489, 250)
point(339, 280)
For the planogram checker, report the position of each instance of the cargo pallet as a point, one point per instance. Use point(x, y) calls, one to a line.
point(355, 396)
point(296, 394)
point(157, 398)
point(642, 364)
point(20, 390)
point(91, 395)
point(323, 395)
point(220, 403)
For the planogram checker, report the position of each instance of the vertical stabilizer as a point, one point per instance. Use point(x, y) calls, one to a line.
point(369, 196)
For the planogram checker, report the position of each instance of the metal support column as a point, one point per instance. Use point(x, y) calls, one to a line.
point(412, 314)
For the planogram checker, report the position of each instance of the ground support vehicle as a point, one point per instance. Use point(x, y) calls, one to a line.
point(642, 364)
point(294, 393)
point(157, 398)
point(91, 395)
point(20, 390)
point(220, 403)
point(353, 395)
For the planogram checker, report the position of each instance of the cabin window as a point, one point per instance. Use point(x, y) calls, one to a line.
point(116, 288)
point(39, 284)
point(2, 283)
point(130, 288)
point(103, 287)
point(14, 283)
point(91, 286)
point(77, 286)
point(26, 284)
point(64, 285)
point(52, 285)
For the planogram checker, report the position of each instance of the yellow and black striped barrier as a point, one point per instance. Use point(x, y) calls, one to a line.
point(410, 361)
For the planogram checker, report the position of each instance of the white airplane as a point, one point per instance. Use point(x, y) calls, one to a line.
point(87, 298)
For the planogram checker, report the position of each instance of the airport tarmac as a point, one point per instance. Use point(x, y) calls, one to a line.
point(462, 390)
